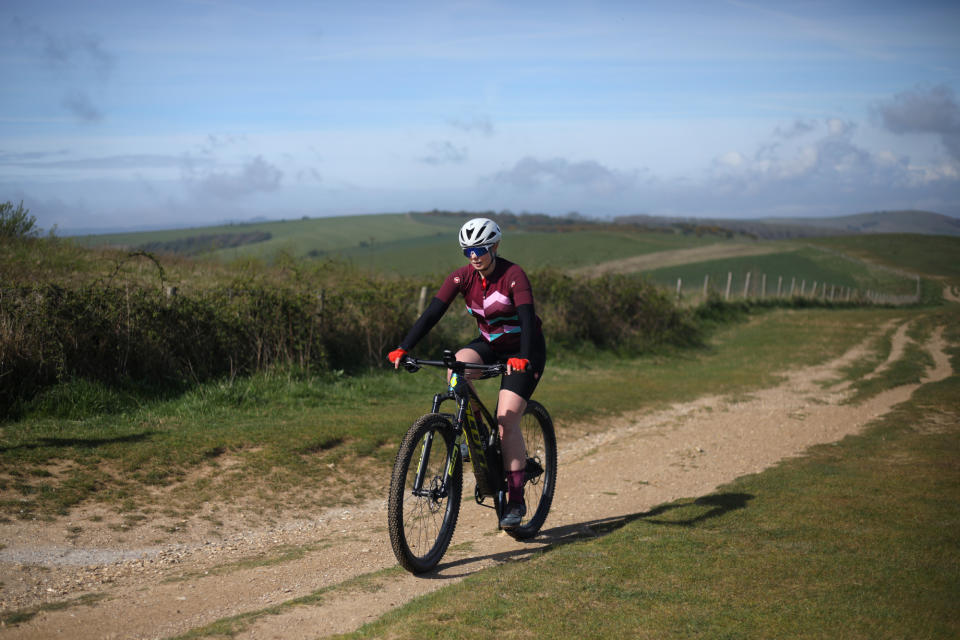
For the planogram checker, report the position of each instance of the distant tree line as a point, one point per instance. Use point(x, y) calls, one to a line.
point(195, 245)
point(574, 221)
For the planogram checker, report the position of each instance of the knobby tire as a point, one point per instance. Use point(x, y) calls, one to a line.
point(421, 526)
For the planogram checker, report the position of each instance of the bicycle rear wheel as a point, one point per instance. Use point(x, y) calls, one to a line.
point(541, 441)
point(421, 520)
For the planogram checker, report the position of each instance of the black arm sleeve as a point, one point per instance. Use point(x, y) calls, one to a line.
point(430, 317)
point(528, 325)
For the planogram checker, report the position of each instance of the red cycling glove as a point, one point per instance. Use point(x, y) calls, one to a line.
point(518, 364)
point(396, 354)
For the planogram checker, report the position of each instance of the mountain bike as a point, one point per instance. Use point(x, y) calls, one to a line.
point(427, 482)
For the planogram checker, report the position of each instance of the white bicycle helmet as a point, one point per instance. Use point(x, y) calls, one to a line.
point(479, 232)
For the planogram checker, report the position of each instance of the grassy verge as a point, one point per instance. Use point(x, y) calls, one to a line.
point(857, 539)
point(266, 434)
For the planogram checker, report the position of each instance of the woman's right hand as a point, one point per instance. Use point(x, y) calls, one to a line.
point(396, 356)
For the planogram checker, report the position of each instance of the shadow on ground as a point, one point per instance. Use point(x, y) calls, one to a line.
point(682, 513)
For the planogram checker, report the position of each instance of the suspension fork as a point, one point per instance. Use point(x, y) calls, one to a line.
point(422, 465)
point(418, 489)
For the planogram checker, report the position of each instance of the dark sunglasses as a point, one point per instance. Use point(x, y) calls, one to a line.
point(479, 252)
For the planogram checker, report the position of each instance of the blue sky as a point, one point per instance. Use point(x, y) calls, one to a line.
point(186, 112)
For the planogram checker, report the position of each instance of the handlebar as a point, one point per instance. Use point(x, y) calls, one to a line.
point(449, 361)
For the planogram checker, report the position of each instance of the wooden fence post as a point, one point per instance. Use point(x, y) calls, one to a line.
point(679, 286)
point(779, 285)
point(423, 300)
point(746, 286)
point(726, 296)
point(706, 281)
point(763, 286)
point(803, 287)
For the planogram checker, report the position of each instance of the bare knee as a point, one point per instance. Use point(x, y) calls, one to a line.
point(468, 355)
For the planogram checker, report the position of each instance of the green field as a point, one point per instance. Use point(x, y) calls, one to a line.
point(418, 244)
point(792, 268)
point(437, 255)
point(298, 237)
point(936, 256)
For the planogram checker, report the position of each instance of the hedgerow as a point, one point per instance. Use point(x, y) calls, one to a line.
point(162, 323)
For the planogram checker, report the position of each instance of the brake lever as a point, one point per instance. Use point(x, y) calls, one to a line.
point(410, 364)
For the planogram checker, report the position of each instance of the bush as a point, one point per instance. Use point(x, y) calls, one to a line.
point(16, 223)
point(623, 313)
point(124, 331)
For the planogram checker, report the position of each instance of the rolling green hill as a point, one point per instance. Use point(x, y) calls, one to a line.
point(788, 270)
point(412, 244)
point(923, 222)
point(423, 244)
point(298, 237)
point(935, 256)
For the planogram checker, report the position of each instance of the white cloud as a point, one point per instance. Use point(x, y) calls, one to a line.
point(256, 175)
point(731, 159)
point(531, 173)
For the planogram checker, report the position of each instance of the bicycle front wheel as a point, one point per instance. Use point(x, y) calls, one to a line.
point(425, 492)
point(541, 473)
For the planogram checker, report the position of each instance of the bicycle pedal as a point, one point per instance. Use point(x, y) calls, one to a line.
point(532, 470)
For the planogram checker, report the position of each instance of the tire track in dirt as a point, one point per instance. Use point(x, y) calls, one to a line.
point(632, 464)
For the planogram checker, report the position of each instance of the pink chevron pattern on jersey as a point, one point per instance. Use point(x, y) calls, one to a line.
point(493, 302)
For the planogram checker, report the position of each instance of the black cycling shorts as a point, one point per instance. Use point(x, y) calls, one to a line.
point(521, 382)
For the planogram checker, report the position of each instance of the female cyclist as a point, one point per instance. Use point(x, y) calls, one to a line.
point(498, 294)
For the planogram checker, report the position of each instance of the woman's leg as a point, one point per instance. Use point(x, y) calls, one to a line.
point(510, 407)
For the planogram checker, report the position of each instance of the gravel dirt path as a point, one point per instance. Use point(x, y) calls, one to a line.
point(627, 466)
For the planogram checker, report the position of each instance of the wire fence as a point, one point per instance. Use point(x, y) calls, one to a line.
point(757, 286)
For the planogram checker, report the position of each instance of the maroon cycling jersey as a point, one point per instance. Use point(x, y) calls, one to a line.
point(493, 301)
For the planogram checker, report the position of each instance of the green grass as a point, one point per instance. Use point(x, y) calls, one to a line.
point(927, 255)
point(807, 265)
point(438, 254)
point(857, 539)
